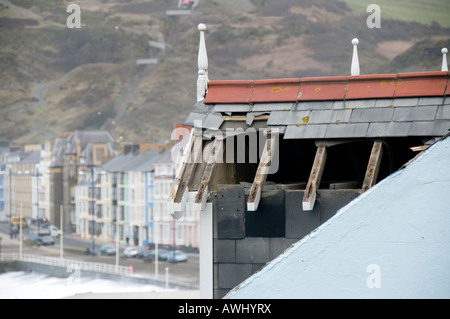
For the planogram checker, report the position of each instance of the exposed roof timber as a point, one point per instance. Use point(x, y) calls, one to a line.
point(315, 177)
point(263, 170)
point(419, 148)
point(190, 159)
point(329, 88)
point(373, 167)
point(215, 151)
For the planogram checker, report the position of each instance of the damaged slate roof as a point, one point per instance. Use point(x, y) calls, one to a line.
point(368, 106)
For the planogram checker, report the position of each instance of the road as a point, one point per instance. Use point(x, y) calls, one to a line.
point(185, 272)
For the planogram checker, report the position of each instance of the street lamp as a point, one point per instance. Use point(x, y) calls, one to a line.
point(93, 210)
point(10, 202)
point(37, 207)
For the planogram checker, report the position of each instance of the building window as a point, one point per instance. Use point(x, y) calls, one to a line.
point(122, 213)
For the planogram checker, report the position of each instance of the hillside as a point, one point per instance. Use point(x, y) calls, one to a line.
point(56, 79)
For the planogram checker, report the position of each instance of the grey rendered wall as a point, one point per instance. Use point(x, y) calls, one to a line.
point(245, 241)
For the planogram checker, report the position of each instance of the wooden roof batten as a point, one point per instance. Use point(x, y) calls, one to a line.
point(348, 102)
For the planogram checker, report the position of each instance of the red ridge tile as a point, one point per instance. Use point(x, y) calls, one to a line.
point(371, 86)
point(421, 84)
point(323, 88)
point(282, 90)
point(229, 92)
point(330, 88)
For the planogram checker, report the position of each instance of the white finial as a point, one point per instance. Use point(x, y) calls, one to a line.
point(444, 59)
point(202, 81)
point(355, 61)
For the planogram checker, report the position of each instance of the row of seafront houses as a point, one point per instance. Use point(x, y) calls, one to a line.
point(82, 182)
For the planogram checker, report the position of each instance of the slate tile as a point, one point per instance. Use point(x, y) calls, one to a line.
point(371, 115)
point(313, 105)
point(305, 131)
point(288, 118)
point(339, 105)
point(340, 116)
point(391, 129)
point(263, 107)
point(233, 108)
point(441, 127)
point(422, 128)
point(418, 113)
point(201, 107)
point(408, 101)
point(443, 112)
point(347, 130)
point(384, 103)
point(213, 121)
point(320, 117)
point(430, 100)
point(194, 117)
point(357, 104)
point(446, 100)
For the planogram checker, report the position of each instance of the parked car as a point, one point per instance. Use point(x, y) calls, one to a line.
point(145, 255)
point(130, 252)
point(162, 254)
point(47, 240)
point(176, 256)
point(51, 231)
point(108, 250)
point(4, 219)
point(34, 239)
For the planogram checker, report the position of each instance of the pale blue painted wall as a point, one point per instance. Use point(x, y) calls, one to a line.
point(402, 226)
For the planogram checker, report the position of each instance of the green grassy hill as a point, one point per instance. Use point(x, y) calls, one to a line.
point(56, 79)
point(421, 11)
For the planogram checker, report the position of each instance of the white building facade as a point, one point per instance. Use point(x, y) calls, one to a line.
point(131, 193)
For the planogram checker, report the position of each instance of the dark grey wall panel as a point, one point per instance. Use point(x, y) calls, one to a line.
point(224, 251)
point(231, 212)
point(253, 250)
point(298, 222)
point(231, 275)
point(269, 220)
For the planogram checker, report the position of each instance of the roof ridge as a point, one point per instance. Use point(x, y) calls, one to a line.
point(412, 84)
